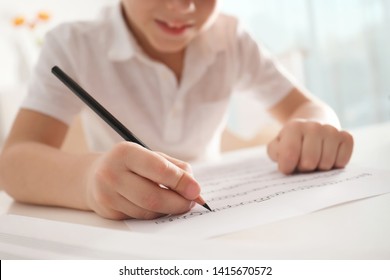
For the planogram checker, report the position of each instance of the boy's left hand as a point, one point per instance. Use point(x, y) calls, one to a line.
point(306, 146)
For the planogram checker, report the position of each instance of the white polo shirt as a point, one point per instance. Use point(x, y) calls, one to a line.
point(183, 120)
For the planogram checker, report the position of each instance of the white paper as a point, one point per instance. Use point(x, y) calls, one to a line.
point(247, 191)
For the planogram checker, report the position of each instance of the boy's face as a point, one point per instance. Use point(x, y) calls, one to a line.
point(168, 26)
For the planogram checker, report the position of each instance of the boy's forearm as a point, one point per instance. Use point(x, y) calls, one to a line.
point(300, 105)
point(38, 174)
point(318, 111)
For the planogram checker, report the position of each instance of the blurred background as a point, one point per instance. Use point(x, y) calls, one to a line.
point(339, 49)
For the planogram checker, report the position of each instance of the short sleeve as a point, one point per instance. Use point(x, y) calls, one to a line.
point(258, 73)
point(46, 94)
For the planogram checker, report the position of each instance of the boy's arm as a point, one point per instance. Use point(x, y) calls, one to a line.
point(31, 162)
point(310, 138)
point(121, 183)
point(297, 105)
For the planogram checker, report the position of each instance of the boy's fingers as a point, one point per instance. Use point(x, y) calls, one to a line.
point(158, 169)
point(121, 208)
point(345, 150)
point(289, 151)
point(311, 152)
point(329, 153)
point(272, 149)
point(148, 195)
point(182, 164)
point(131, 210)
point(310, 146)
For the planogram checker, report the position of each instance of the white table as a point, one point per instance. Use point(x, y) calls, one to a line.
point(355, 230)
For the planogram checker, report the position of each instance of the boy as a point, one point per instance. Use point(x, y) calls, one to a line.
point(166, 69)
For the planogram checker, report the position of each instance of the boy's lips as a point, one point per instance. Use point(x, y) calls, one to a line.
point(173, 28)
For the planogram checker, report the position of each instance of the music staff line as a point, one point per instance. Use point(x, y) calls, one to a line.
point(250, 180)
point(194, 214)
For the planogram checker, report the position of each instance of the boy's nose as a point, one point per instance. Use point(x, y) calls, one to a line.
point(182, 6)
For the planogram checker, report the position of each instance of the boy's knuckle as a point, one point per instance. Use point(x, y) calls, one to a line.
point(347, 137)
point(124, 148)
point(121, 148)
point(294, 125)
point(313, 128)
point(161, 168)
point(185, 166)
point(330, 129)
point(165, 170)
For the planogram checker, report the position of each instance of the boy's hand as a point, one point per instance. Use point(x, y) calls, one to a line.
point(307, 146)
point(125, 183)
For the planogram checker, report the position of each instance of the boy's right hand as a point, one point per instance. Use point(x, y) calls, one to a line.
point(126, 183)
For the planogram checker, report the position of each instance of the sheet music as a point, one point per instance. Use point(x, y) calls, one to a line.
point(246, 191)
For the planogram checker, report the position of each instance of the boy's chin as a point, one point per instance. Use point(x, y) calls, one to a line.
point(170, 47)
point(171, 51)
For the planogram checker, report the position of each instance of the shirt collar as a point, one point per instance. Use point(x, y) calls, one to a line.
point(123, 45)
point(212, 40)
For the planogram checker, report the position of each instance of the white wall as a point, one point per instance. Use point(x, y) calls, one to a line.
point(19, 46)
point(345, 44)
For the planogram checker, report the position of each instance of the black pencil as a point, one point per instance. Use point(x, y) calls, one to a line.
point(125, 133)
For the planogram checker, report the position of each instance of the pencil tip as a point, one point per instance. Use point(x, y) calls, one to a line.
point(207, 207)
